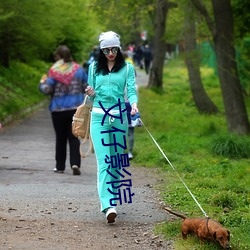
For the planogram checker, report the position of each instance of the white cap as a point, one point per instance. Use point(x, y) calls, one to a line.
point(109, 39)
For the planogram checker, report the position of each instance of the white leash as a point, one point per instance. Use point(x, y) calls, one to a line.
point(174, 169)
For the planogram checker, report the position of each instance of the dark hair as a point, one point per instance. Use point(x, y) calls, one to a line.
point(64, 53)
point(102, 67)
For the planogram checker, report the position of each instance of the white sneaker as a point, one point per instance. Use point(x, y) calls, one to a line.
point(130, 155)
point(111, 214)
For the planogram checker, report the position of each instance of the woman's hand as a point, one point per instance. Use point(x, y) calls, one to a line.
point(90, 91)
point(134, 109)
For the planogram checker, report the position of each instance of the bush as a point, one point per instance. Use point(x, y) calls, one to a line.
point(223, 200)
point(19, 88)
point(231, 146)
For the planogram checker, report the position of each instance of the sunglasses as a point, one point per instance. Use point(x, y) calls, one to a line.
point(106, 51)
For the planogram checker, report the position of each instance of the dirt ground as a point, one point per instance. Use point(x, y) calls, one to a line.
point(48, 234)
point(30, 223)
point(40, 209)
point(42, 214)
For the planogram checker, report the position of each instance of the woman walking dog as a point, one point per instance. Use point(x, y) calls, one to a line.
point(108, 78)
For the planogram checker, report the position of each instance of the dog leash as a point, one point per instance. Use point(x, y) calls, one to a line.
point(174, 169)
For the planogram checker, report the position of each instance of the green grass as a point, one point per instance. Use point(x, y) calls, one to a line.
point(19, 88)
point(214, 164)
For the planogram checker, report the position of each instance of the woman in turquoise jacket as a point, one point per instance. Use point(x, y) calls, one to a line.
point(108, 78)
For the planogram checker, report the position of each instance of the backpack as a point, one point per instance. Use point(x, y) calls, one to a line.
point(81, 125)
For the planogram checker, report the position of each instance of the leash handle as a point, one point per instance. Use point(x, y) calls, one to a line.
point(174, 170)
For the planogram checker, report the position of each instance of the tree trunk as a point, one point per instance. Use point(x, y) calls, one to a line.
point(235, 109)
point(223, 38)
point(201, 99)
point(159, 47)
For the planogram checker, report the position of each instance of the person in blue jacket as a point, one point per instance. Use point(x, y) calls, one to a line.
point(108, 77)
point(65, 83)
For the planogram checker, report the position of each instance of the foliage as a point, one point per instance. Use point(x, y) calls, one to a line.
point(128, 18)
point(230, 146)
point(27, 33)
point(243, 60)
point(175, 25)
point(242, 37)
point(219, 183)
point(241, 17)
point(19, 88)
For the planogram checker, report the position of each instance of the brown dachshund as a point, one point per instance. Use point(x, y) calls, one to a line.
point(204, 229)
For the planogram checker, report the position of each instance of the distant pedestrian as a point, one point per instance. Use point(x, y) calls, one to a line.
point(93, 55)
point(147, 54)
point(138, 56)
point(65, 84)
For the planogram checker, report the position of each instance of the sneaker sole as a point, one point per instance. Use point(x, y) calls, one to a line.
point(111, 217)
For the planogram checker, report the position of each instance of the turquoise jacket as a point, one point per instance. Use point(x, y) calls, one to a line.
point(111, 87)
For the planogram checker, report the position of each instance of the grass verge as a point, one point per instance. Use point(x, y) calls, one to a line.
point(19, 89)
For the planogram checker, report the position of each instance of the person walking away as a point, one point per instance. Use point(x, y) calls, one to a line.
point(65, 84)
point(139, 56)
point(93, 55)
point(147, 54)
point(108, 78)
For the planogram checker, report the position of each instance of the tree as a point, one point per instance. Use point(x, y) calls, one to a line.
point(242, 33)
point(159, 46)
point(126, 18)
point(241, 17)
point(201, 99)
point(223, 38)
point(28, 33)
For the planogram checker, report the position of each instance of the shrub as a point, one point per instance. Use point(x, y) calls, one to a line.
point(223, 200)
point(231, 146)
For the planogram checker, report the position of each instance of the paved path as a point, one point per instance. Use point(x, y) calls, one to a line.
point(26, 163)
point(141, 78)
point(29, 189)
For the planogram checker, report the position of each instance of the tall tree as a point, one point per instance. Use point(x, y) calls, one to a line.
point(159, 44)
point(201, 99)
point(223, 38)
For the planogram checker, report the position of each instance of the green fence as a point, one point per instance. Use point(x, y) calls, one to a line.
point(208, 58)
